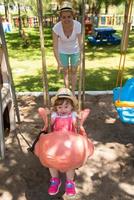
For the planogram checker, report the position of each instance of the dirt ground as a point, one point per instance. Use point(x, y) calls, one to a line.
point(107, 175)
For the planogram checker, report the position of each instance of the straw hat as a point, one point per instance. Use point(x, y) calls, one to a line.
point(64, 93)
point(66, 6)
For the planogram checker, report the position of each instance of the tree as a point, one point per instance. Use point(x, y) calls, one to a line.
point(96, 5)
point(107, 3)
point(7, 4)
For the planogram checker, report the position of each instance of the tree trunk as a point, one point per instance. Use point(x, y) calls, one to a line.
point(6, 9)
point(19, 19)
point(106, 8)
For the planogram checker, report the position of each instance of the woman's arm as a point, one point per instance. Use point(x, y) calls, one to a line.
point(55, 48)
point(80, 41)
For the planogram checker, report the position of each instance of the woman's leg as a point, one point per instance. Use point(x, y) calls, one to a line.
point(74, 62)
point(66, 77)
point(73, 79)
point(64, 59)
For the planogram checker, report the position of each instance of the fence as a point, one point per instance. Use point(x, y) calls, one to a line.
point(49, 21)
point(32, 22)
point(110, 20)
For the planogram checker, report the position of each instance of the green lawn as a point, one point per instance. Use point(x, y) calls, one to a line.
point(101, 63)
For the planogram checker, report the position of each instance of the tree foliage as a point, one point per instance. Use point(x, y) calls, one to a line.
point(94, 5)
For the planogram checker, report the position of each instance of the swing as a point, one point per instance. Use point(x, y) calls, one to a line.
point(125, 104)
point(62, 151)
point(123, 97)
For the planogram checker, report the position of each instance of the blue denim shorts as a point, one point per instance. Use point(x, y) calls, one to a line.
point(70, 59)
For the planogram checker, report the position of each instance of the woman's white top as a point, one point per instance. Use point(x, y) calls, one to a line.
point(68, 45)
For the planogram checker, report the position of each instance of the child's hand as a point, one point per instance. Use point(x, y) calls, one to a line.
point(44, 128)
point(48, 112)
point(79, 116)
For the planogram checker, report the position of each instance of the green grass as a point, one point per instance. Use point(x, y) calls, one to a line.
point(101, 63)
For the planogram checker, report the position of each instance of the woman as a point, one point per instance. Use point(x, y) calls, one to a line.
point(67, 44)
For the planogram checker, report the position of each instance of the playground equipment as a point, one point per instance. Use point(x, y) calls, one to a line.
point(7, 115)
point(63, 151)
point(123, 97)
point(6, 94)
point(8, 100)
point(124, 101)
point(104, 36)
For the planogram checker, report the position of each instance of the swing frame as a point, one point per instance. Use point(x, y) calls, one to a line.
point(122, 104)
point(8, 99)
point(123, 50)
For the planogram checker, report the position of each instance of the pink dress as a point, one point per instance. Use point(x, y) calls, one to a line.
point(64, 122)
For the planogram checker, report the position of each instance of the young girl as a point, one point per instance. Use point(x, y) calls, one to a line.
point(63, 118)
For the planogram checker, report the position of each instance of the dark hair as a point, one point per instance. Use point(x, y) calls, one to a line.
point(60, 101)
